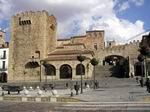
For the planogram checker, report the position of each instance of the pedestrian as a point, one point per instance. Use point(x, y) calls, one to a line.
point(131, 75)
point(141, 82)
point(71, 94)
point(137, 79)
point(67, 85)
point(147, 85)
point(85, 84)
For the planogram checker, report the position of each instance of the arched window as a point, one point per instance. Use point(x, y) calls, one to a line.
point(50, 70)
point(65, 71)
point(80, 69)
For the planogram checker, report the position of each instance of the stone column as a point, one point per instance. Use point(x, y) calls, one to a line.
point(57, 74)
point(73, 73)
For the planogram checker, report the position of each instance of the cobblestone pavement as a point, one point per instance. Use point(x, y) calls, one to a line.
point(116, 90)
point(110, 90)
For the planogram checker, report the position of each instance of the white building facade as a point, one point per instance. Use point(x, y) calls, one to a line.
point(4, 54)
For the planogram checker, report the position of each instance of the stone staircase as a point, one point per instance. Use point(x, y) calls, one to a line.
point(103, 71)
point(104, 107)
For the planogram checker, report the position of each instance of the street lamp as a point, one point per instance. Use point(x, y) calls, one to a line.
point(81, 59)
point(94, 62)
point(38, 52)
point(46, 66)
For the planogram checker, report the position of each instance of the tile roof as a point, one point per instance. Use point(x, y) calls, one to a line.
point(69, 52)
point(74, 44)
point(62, 58)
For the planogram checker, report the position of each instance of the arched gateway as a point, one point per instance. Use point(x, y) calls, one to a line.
point(65, 72)
point(120, 65)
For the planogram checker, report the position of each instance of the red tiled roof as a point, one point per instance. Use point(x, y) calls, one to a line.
point(62, 58)
point(63, 39)
point(95, 31)
point(82, 36)
point(74, 44)
point(69, 52)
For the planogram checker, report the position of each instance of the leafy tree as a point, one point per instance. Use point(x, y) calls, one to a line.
point(81, 58)
point(140, 57)
point(144, 50)
point(94, 62)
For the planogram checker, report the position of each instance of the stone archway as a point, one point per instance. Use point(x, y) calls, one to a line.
point(3, 77)
point(120, 65)
point(80, 69)
point(65, 72)
point(50, 70)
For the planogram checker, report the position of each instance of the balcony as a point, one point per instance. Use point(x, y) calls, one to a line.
point(2, 57)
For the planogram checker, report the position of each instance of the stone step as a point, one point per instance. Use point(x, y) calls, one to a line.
point(105, 107)
point(102, 71)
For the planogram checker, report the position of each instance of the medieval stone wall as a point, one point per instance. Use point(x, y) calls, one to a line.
point(93, 40)
point(30, 32)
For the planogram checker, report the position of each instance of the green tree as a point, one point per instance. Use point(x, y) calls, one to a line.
point(81, 59)
point(94, 62)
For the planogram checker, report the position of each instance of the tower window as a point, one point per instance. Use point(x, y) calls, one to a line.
point(25, 22)
point(52, 27)
point(95, 46)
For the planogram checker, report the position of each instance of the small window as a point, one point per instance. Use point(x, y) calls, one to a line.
point(25, 22)
point(4, 54)
point(95, 46)
point(19, 18)
point(3, 65)
point(52, 27)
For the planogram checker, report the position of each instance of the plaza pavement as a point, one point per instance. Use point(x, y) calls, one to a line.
point(110, 90)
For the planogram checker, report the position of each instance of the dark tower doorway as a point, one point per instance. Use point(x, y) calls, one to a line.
point(65, 72)
point(3, 77)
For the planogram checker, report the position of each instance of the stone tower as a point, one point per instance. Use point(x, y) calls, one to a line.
point(30, 32)
point(95, 39)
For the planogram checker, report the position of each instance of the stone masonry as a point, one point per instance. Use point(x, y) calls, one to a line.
point(33, 34)
point(30, 32)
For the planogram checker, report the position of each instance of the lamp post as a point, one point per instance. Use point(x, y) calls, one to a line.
point(38, 52)
point(81, 59)
point(141, 59)
point(45, 65)
point(94, 62)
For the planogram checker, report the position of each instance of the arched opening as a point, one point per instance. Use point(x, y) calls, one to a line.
point(3, 77)
point(50, 70)
point(120, 65)
point(65, 71)
point(80, 69)
point(32, 64)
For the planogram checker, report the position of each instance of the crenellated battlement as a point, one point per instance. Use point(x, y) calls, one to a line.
point(31, 13)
